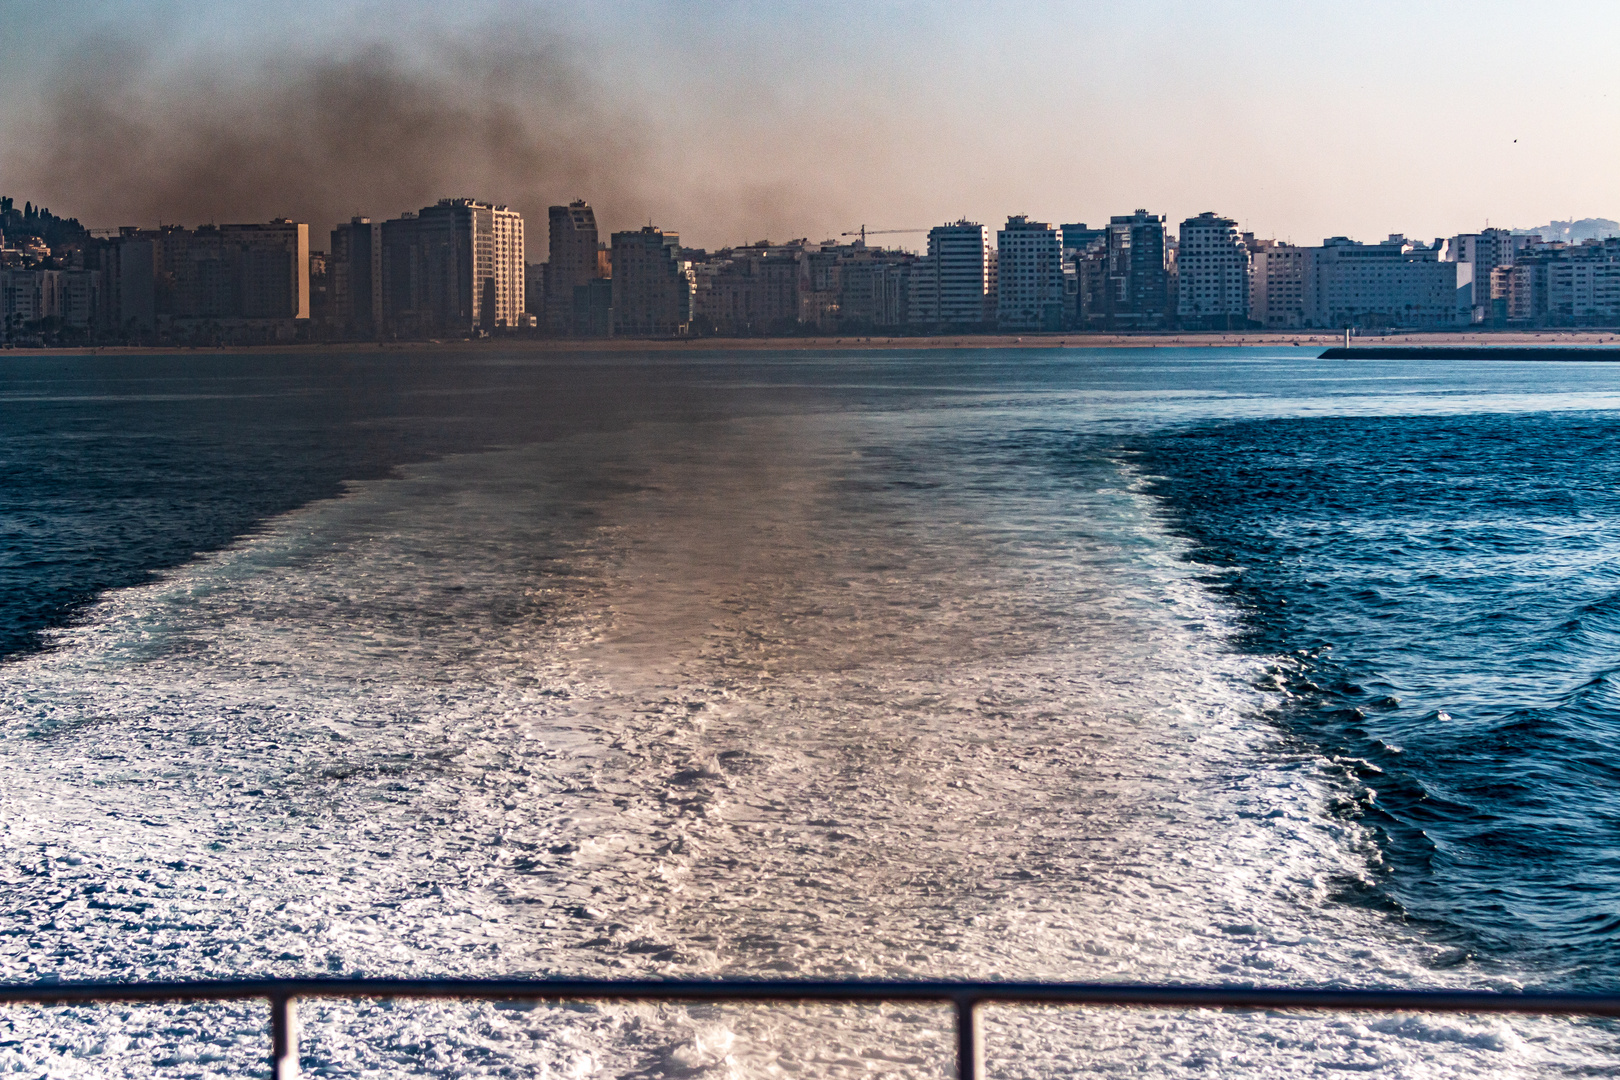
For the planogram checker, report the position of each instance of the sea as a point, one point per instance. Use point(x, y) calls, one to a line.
point(1191, 665)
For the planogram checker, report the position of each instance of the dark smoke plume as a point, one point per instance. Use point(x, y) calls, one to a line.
point(318, 139)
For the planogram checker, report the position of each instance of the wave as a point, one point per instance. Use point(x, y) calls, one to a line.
point(845, 694)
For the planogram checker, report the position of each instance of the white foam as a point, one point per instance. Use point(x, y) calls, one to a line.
point(830, 695)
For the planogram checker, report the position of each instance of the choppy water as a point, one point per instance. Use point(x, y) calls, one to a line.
point(1159, 664)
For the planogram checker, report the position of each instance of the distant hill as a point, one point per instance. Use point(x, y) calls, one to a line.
point(37, 221)
point(1573, 232)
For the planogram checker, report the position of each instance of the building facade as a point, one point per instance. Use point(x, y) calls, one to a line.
point(1212, 274)
point(248, 282)
point(28, 295)
point(452, 268)
point(652, 284)
point(80, 302)
point(1397, 283)
point(750, 291)
point(132, 263)
point(1078, 238)
point(874, 290)
point(231, 272)
point(1030, 281)
point(1560, 284)
point(951, 285)
point(534, 288)
point(593, 309)
point(1486, 251)
point(354, 278)
point(1134, 291)
point(1281, 285)
point(510, 299)
point(1081, 245)
point(273, 262)
point(573, 260)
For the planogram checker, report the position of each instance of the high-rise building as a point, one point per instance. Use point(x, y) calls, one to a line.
point(454, 267)
point(962, 257)
point(1501, 295)
point(320, 297)
point(1080, 243)
point(354, 277)
point(138, 279)
point(573, 260)
point(1343, 283)
point(230, 272)
point(652, 284)
point(849, 288)
point(134, 259)
point(271, 264)
point(1585, 290)
point(1281, 284)
point(951, 285)
point(922, 303)
point(506, 269)
point(1212, 274)
point(1030, 288)
point(1137, 295)
point(1093, 299)
point(821, 284)
point(1525, 294)
point(1486, 250)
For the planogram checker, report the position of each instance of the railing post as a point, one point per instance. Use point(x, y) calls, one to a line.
point(283, 1037)
point(969, 1040)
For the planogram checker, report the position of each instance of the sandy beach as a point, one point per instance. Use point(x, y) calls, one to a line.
point(960, 341)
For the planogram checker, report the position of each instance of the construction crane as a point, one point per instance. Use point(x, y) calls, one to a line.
point(879, 232)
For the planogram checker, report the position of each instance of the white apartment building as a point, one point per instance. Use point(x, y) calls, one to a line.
point(1212, 273)
point(1395, 283)
point(30, 294)
point(1345, 283)
point(508, 265)
point(1583, 291)
point(950, 283)
point(1030, 285)
point(1560, 288)
point(1562, 285)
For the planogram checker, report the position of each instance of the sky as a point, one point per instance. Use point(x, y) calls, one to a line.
point(730, 122)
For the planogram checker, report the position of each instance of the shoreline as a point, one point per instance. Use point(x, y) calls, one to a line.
point(1438, 339)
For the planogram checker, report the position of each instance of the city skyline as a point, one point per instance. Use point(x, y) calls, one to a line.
point(734, 123)
point(458, 267)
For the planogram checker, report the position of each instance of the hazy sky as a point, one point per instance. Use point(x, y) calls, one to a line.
point(731, 122)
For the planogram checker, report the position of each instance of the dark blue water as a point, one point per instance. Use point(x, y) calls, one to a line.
point(1429, 553)
point(115, 470)
point(1454, 583)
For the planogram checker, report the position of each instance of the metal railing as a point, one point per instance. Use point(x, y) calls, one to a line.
point(964, 997)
